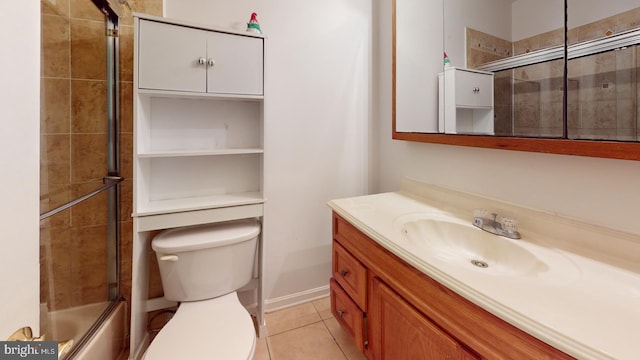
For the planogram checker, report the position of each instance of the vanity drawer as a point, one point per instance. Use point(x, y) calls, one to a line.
point(350, 274)
point(348, 314)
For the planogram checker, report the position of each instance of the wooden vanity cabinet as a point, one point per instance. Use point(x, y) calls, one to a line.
point(408, 315)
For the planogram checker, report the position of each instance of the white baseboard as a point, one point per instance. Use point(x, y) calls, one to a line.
point(271, 305)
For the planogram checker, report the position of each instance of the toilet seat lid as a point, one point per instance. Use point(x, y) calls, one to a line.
point(219, 328)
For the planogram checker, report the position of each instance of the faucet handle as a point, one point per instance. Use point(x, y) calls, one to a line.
point(509, 225)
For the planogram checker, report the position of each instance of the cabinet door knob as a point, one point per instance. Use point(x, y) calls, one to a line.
point(344, 273)
point(211, 62)
point(341, 313)
point(202, 61)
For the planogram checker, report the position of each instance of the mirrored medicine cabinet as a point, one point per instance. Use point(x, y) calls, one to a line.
point(552, 76)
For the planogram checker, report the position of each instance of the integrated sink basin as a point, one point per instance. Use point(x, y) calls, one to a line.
point(462, 244)
point(453, 245)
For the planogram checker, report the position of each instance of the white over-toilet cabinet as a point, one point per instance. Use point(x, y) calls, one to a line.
point(465, 101)
point(198, 141)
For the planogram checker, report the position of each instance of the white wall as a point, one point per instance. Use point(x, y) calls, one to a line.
point(602, 191)
point(317, 113)
point(19, 161)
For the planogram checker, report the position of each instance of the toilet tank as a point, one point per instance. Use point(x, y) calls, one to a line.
point(206, 261)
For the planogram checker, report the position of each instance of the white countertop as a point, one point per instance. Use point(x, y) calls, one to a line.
point(588, 302)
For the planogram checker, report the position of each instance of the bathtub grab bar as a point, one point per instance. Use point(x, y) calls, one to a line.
point(109, 182)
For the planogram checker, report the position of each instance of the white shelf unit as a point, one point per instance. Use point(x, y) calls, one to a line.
point(198, 141)
point(197, 149)
point(466, 101)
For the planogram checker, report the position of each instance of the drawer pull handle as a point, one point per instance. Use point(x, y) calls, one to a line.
point(344, 273)
point(341, 313)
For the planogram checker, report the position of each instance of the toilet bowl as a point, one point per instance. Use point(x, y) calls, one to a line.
point(220, 328)
point(201, 267)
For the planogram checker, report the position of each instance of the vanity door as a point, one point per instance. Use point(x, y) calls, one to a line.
point(398, 331)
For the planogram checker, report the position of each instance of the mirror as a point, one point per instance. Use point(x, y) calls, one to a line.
point(519, 45)
point(414, 64)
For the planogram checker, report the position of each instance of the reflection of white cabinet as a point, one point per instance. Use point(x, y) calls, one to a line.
point(198, 140)
point(466, 101)
point(187, 59)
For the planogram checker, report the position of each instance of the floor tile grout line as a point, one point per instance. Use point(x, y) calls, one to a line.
point(295, 328)
point(335, 340)
point(268, 349)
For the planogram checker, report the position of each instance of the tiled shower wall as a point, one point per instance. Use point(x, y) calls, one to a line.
point(603, 89)
point(73, 246)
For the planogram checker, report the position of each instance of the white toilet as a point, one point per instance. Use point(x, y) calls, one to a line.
point(201, 267)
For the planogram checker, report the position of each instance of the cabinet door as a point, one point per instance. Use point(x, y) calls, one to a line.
point(399, 331)
point(235, 64)
point(473, 89)
point(169, 57)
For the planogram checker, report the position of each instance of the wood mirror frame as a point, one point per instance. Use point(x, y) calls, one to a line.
point(592, 148)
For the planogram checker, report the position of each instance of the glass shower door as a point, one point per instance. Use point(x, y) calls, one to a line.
point(79, 168)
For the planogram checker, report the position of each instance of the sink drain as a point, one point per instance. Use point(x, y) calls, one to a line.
point(480, 263)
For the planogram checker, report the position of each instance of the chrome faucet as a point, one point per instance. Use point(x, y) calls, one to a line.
point(506, 227)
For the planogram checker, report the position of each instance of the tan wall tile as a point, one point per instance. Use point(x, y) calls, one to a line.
point(126, 240)
point(551, 117)
point(628, 20)
point(89, 245)
point(625, 115)
point(88, 50)
point(126, 206)
point(55, 96)
point(483, 48)
point(88, 157)
point(53, 196)
point(151, 7)
point(55, 46)
point(598, 29)
point(126, 156)
point(88, 285)
point(54, 149)
point(126, 107)
point(126, 199)
point(155, 281)
point(55, 7)
point(126, 53)
point(87, 10)
point(92, 211)
point(551, 38)
point(89, 106)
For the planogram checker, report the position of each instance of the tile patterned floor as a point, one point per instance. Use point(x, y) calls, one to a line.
point(305, 332)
